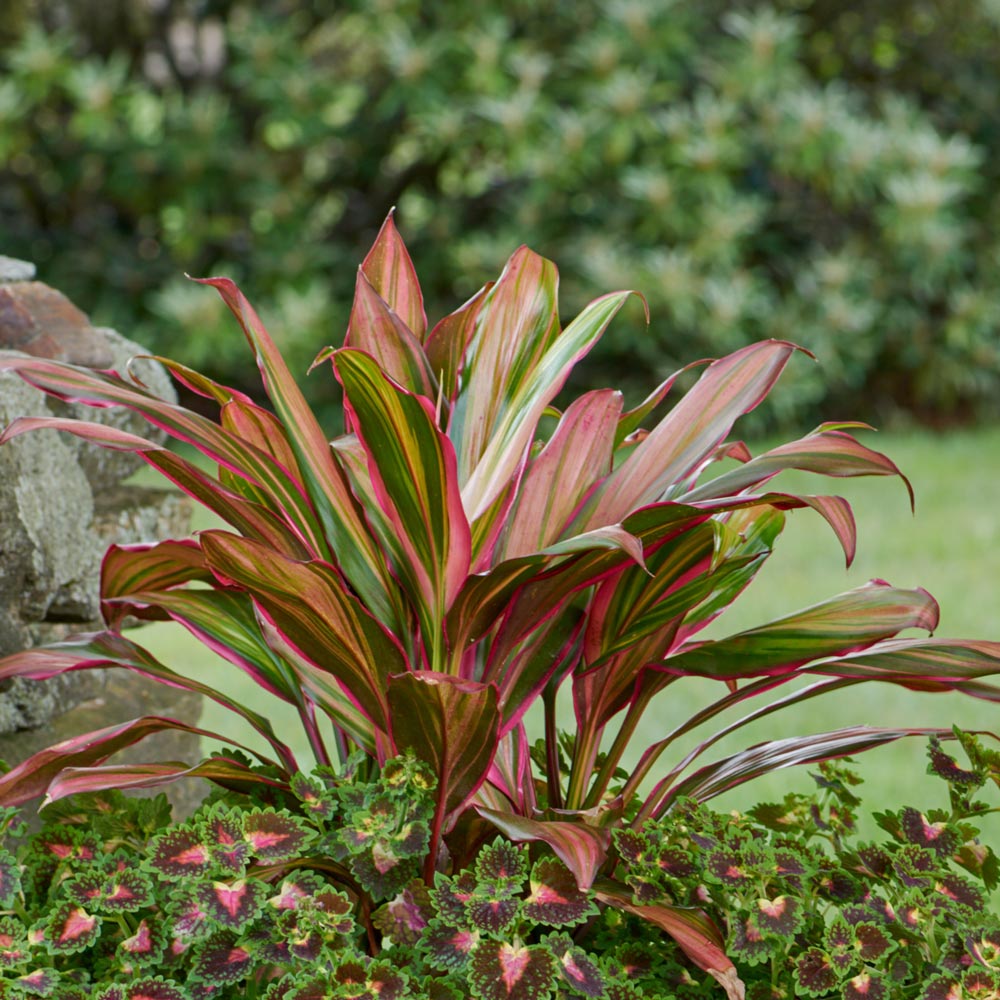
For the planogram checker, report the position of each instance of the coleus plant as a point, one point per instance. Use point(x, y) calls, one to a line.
point(465, 550)
point(812, 911)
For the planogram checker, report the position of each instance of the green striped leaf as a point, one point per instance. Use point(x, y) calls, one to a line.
point(693, 931)
point(83, 385)
point(447, 343)
point(351, 652)
point(581, 848)
point(828, 450)
point(343, 525)
point(413, 473)
point(843, 624)
point(376, 329)
point(31, 778)
point(389, 269)
point(451, 724)
point(515, 326)
point(680, 444)
point(576, 457)
point(514, 425)
point(108, 649)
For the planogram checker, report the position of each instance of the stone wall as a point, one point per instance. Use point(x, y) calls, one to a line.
point(62, 501)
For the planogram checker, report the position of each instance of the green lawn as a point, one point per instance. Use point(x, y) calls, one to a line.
point(951, 546)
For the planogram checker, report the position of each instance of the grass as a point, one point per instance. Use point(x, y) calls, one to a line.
point(951, 546)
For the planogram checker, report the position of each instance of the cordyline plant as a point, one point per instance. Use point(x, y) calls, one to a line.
point(463, 551)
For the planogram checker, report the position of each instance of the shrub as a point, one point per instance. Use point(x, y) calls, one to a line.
point(800, 171)
point(465, 551)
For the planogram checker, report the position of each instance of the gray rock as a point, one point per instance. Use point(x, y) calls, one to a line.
point(12, 269)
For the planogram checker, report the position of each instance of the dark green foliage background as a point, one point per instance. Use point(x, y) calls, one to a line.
point(810, 170)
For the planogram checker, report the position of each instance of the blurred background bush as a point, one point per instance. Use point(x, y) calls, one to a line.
point(807, 169)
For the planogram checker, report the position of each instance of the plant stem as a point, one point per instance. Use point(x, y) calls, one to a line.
point(554, 772)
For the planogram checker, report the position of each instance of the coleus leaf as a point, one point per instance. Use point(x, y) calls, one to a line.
point(449, 947)
point(69, 928)
point(10, 879)
point(503, 863)
point(555, 898)
point(232, 904)
point(379, 980)
point(152, 988)
point(504, 971)
point(39, 983)
point(275, 836)
point(575, 967)
point(493, 908)
point(123, 891)
point(145, 946)
point(181, 853)
point(220, 959)
point(412, 465)
point(405, 918)
point(15, 949)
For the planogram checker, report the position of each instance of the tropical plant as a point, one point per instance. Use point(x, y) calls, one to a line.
point(463, 551)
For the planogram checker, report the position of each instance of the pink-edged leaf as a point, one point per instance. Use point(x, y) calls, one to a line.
point(516, 324)
point(680, 444)
point(576, 457)
point(222, 770)
point(919, 662)
point(550, 651)
point(224, 622)
point(843, 624)
point(581, 847)
point(535, 381)
point(108, 649)
point(362, 561)
point(32, 777)
point(630, 422)
point(451, 724)
point(389, 269)
point(262, 429)
point(765, 758)
point(511, 771)
point(837, 512)
point(694, 932)
point(103, 389)
point(446, 344)
point(126, 569)
point(250, 518)
point(377, 330)
point(317, 615)
point(828, 450)
point(412, 466)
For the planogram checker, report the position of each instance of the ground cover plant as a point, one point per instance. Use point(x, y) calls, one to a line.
point(464, 551)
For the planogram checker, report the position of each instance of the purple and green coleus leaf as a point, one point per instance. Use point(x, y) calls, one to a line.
point(69, 928)
point(232, 904)
point(502, 970)
point(111, 888)
point(221, 959)
point(578, 970)
point(150, 988)
point(554, 898)
point(145, 946)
